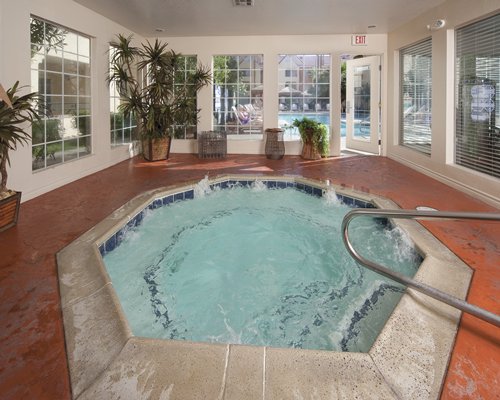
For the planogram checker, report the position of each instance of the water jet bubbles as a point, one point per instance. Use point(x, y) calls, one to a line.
point(330, 197)
point(259, 186)
point(202, 188)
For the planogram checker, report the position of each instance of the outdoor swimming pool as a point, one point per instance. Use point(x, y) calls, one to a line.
point(250, 265)
point(286, 119)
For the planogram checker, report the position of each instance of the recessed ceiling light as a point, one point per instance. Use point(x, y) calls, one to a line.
point(244, 3)
point(159, 30)
point(372, 26)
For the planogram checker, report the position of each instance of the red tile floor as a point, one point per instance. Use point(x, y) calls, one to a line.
point(32, 351)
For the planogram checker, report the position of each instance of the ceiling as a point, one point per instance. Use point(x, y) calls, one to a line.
point(265, 17)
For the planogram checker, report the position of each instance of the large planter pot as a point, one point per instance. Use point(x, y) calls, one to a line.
point(309, 152)
point(9, 210)
point(156, 149)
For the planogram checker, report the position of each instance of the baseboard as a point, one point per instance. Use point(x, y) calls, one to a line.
point(486, 197)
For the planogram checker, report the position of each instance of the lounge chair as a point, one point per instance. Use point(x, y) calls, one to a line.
point(242, 114)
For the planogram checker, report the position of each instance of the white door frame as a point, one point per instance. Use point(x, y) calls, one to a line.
point(363, 134)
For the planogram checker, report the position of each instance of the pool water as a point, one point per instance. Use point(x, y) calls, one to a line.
point(258, 266)
point(286, 119)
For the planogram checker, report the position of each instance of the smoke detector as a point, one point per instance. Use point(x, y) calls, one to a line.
point(243, 3)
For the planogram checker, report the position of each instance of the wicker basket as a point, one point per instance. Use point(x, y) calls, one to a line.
point(212, 144)
point(156, 149)
point(275, 147)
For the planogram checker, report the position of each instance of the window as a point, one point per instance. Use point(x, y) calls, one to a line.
point(60, 72)
point(123, 128)
point(415, 100)
point(307, 94)
point(186, 68)
point(477, 76)
point(237, 96)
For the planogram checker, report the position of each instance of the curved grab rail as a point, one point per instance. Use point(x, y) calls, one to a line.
point(398, 277)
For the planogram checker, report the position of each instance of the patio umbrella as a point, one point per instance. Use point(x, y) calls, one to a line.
point(257, 90)
point(287, 91)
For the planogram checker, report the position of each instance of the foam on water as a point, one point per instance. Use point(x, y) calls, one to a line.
point(259, 186)
point(256, 266)
point(330, 197)
point(202, 188)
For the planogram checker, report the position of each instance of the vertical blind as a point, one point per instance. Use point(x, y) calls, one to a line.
point(477, 130)
point(416, 96)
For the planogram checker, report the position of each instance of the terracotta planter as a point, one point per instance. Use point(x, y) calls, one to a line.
point(156, 149)
point(9, 210)
point(309, 152)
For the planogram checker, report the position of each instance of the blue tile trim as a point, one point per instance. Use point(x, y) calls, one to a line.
point(110, 244)
point(179, 196)
point(114, 241)
point(317, 192)
point(167, 200)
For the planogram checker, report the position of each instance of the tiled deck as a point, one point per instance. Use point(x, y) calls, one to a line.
point(33, 360)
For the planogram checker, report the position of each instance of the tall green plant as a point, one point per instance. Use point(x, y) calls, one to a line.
point(152, 94)
point(13, 119)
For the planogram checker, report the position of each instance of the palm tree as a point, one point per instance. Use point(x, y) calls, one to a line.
point(15, 112)
point(153, 95)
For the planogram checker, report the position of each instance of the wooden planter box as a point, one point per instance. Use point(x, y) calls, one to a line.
point(9, 211)
point(309, 152)
point(156, 149)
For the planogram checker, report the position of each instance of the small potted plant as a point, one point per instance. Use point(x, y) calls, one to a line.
point(152, 94)
point(314, 137)
point(16, 114)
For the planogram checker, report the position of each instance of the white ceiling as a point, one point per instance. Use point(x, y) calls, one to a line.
point(266, 17)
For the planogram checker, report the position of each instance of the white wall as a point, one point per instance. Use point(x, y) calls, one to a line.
point(440, 164)
point(15, 65)
point(271, 47)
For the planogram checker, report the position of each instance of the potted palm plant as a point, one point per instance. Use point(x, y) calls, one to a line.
point(145, 79)
point(314, 137)
point(16, 114)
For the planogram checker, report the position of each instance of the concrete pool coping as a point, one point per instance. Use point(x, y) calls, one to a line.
point(407, 361)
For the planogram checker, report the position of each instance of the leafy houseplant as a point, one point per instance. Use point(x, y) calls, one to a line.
point(15, 112)
point(314, 137)
point(152, 94)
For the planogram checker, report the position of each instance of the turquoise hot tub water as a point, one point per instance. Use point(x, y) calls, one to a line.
point(257, 266)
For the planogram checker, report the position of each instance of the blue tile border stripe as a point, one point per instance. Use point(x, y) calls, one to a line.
point(115, 240)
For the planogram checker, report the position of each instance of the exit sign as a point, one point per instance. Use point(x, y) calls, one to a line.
point(358, 40)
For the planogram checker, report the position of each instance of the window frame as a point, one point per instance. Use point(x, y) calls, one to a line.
point(416, 117)
point(61, 72)
point(239, 112)
point(477, 134)
point(295, 78)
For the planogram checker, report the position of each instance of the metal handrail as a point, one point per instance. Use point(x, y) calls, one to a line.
point(398, 277)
